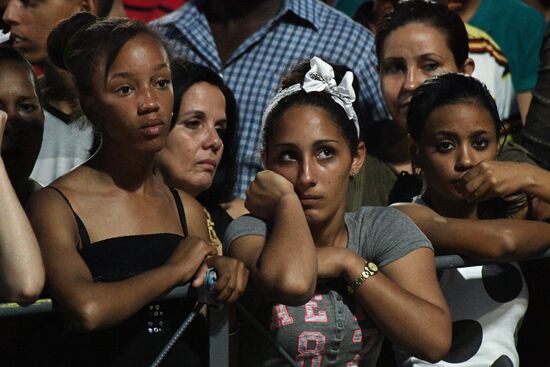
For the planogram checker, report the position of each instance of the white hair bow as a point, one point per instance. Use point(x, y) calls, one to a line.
point(320, 78)
point(4, 37)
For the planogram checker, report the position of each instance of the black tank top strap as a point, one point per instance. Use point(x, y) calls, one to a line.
point(181, 211)
point(82, 231)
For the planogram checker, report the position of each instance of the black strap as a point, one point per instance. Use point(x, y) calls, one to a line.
point(82, 232)
point(181, 211)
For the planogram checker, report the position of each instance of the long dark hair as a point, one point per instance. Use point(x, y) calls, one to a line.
point(184, 75)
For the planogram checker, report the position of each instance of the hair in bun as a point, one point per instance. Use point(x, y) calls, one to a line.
point(82, 42)
point(62, 35)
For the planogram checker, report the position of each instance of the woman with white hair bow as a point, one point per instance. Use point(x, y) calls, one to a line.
point(328, 284)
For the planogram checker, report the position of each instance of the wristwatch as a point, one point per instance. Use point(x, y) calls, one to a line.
point(369, 270)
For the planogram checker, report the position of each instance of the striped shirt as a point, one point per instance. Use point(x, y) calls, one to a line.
point(301, 29)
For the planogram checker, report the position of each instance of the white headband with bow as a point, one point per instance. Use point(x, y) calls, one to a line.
point(320, 78)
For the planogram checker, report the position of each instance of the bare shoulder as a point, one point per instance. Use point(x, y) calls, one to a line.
point(194, 215)
point(190, 203)
point(50, 207)
point(80, 181)
point(51, 218)
point(46, 199)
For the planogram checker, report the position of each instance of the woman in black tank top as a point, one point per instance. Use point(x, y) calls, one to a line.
point(113, 236)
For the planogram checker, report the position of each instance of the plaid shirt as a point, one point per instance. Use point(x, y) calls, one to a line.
point(301, 29)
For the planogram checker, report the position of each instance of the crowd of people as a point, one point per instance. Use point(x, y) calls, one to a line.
point(316, 163)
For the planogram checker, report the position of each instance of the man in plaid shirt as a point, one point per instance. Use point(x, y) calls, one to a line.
point(250, 43)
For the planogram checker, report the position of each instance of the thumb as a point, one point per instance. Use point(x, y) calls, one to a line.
point(198, 279)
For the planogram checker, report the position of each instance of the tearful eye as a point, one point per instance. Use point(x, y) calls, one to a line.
point(287, 157)
point(326, 153)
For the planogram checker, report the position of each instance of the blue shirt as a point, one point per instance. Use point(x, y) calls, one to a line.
point(300, 30)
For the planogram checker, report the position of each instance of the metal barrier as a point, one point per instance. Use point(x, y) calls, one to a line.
point(457, 261)
point(218, 319)
point(218, 348)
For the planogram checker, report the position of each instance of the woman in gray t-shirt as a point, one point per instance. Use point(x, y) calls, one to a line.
point(314, 268)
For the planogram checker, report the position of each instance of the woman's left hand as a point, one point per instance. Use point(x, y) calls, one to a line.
point(232, 278)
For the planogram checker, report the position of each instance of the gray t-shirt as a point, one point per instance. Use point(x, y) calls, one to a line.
point(331, 329)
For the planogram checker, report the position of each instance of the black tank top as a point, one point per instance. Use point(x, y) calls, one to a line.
point(119, 258)
point(138, 340)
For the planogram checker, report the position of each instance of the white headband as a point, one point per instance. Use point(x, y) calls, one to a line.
point(4, 37)
point(320, 78)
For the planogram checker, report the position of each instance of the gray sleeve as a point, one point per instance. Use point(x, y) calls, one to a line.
point(387, 234)
point(243, 226)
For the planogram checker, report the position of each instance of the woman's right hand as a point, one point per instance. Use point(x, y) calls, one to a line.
point(339, 262)
point(265, 192)
point(490, 179)
point(189, 257)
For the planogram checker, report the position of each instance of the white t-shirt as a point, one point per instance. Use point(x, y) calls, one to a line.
point(487, 304)
point(64, 146)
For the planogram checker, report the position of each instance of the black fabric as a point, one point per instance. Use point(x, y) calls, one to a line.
point(181, 212)
point(220, 218)
point(405, 188)
point(138, 340)
point(533, 337)
point(67, 119)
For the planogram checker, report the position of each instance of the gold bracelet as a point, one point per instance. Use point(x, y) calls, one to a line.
point(369, 270)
